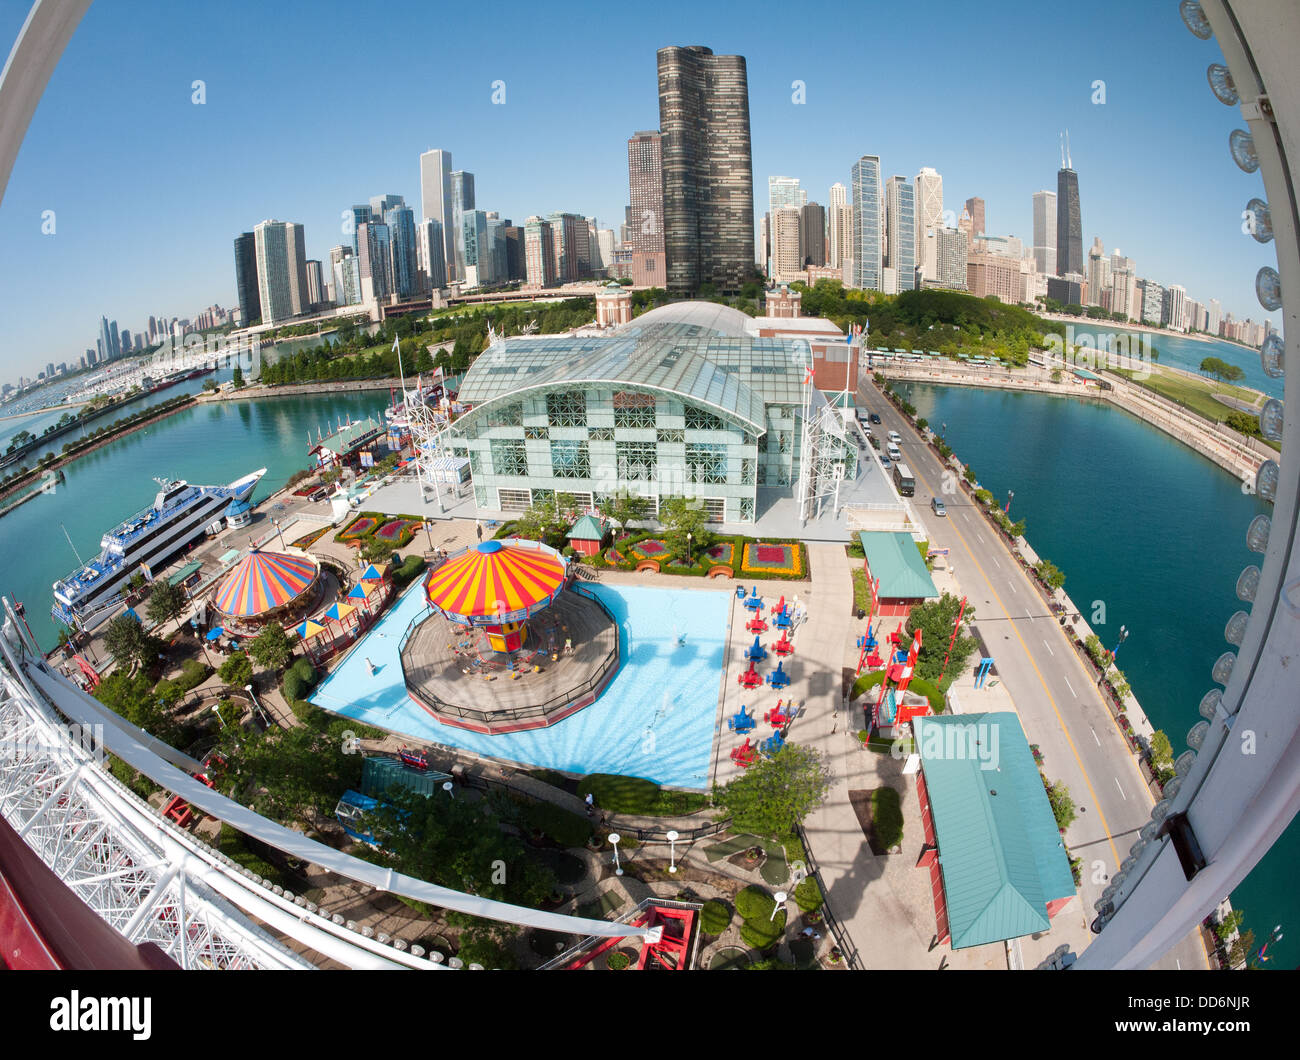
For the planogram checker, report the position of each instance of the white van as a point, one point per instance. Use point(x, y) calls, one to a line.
point(893, 453)
point(894, 437)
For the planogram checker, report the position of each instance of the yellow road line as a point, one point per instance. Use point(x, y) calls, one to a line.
point(1041, 680)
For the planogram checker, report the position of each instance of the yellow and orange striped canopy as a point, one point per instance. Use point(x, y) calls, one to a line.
point(496, 582)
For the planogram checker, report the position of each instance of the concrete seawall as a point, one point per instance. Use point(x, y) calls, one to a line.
point(341, 386)
point(1228, 449)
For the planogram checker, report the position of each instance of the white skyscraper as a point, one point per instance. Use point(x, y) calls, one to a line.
point(1045, 232)
point(929, 216)
point(281, 270)
point(781, 191)
point(900, 209)
point(786, 263)
point(435, 196)
point(1215, 316)
point(868, 224)
point(839, 219)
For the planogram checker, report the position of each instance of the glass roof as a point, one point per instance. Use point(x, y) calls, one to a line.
point(739, 376)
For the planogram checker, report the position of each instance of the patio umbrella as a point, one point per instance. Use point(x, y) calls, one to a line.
point(309, 629)
point(215, 633)
point(371, 574)
point(130, 613)
point(358, 592)
point(339, 611)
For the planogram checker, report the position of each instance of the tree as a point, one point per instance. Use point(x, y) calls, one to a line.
point(680, 516)
point(237, 377)
point(377, 550)
point(166, 602)
point(1052, 575)
point(624, 507)
point(935, 619)
point(1162, 751)
point(237, 671)
point(295, 774)
point(1062, 805)
point(128, 643)
point(775, 795)
point(209, 385)
point(271, 648)
point(1222, 370)
point(540, 521)
point(1241, 949)
point(1230, 923)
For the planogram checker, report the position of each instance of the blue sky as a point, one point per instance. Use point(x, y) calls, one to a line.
point(313, 107)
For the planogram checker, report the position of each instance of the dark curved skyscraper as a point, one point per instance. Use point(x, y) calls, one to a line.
point(708, 177)
point(250, 305)
point(1069, 225)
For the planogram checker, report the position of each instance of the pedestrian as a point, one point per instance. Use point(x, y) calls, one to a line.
point(591, 806)
point(810, 933)
point(478, 529)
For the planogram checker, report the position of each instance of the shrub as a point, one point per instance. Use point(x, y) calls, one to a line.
point(193, 674)
point(887, 816)
point(293, 686)
point(754, 903)
point(808, 896)
point(306, 672)
point(567, 829)
point(305, 712)
point(714, 917)
point(617, 960)
point(763, 934)
point(1062, 804)
point(410, 569)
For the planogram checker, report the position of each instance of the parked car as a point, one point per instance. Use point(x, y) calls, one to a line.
point(936, 506)
point(884, 462)
point(875, 417)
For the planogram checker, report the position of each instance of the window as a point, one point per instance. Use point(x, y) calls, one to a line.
point(671, 435)
point(544, 498)
point(512, 500)
point(506, 415)
point(567, 409)
point(761, 477)
point(601, 434)
point(706, 463)
point(715, 508)
point(570, 460)
point(746, 509)
point(699, 420)
point(536, 434)
point(508, 457)
point(636, 460)
point(747, 472)
point(475, 463)
point(633, 409)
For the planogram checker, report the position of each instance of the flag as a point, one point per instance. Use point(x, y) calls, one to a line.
point(808, 376)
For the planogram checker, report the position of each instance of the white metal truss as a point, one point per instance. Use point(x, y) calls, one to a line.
point(821, 456)
point(428, 421)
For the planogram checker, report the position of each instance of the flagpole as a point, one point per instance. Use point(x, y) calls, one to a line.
point(401, 375)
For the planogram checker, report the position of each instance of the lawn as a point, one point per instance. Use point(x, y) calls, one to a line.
point(1195, 394)
point(635, 795)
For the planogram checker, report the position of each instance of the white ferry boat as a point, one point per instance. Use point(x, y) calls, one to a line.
point(178, 515)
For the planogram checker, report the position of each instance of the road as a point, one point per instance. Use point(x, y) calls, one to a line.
point(1056, 699)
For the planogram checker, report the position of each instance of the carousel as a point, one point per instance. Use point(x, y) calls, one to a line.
point(509, 644)
point(267, 586)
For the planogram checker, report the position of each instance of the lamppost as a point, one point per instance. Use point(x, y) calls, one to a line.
point(614, 837)
point(256, 705)
point(688, 548)
point(427, 536)
point(1007, 509)
point(672, 851)
point(279, 533)
point(780, 897)
point(446, 786)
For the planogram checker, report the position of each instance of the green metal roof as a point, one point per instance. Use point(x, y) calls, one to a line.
point(588, 528)
point(894, 559)
point(344, 439)
point(189, 568)
point(1000, 852)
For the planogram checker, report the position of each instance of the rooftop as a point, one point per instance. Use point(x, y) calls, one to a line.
point(894, 559)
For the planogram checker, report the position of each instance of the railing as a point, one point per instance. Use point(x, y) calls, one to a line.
point(579, 948)
point(841, 936)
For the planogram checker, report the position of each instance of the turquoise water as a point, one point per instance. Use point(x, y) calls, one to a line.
point(1176, 351)
point(207, 444)
point(655, 719)
point(1152, 529)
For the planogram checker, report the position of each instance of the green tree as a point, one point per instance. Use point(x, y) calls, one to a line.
point(295, 774)
point(166, 602)
point(624, 507)
point(1052, 575)
point(541, 521)
point(237, 377)
point(1063, 808)
point(1230, 923)
point(237, 671)
point(936, 619)
point(128, 643)
point(776, 794)
point(1222, 370)
point(1242, 947)
point(376, 550)
point(1162, 751)
point(271, 647)
point(680, 516)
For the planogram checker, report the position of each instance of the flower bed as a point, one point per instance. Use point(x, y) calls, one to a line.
point(397, 531)
point(361, 526)
point(773, 559)
point(650, 548)
point(310, 539)
point(722, 552)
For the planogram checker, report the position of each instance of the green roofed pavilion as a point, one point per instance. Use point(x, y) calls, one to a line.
point(1004, 865)
point(895, 560)
point(587, 528)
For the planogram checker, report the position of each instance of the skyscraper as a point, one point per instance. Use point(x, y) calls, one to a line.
point(812, 235)
point(1069, 224)
point(840, 224)
point(569, 245)
point(375, 261)
point(430, 251)
point(787, 265)
point(950, 258)
point(707, 168)
point(381, 204)
point(928, 194)
point(539, 253)
point(1099, 293)
point(1045, 232)
point(360, 216)
point(250, 307)
point(867, 250)
point(401, 226)
point(645, 178)
point(315, 284)
point(462, 200)
point(273, 284)
point(975, 207)
point(435, 198)
point(900, 207)
point(475, 250)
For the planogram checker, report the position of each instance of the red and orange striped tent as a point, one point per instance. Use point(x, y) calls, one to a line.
point(264, 581)
point(495, 582)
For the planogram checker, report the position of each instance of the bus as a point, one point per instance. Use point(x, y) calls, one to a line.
point(903, 481)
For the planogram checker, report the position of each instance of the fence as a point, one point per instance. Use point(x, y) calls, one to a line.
point(841, 936)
